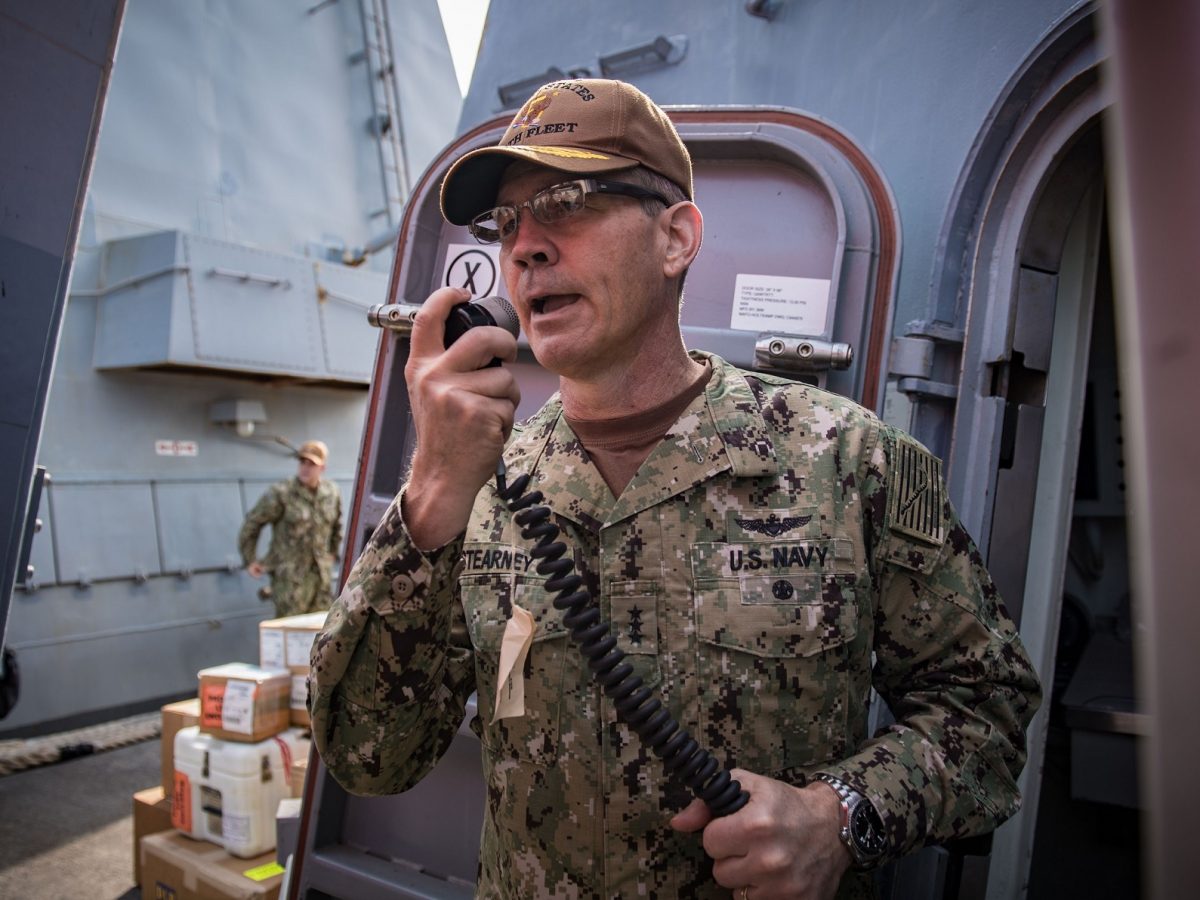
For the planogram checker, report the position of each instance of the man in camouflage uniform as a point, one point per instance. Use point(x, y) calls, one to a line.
point(766, 553)
point(305, 515)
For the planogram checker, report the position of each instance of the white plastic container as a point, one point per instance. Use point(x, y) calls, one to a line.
point(227, 792)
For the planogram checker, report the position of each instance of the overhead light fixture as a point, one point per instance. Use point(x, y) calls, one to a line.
point(242, 416)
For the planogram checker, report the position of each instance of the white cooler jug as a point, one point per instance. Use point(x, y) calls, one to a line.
point(227, 792)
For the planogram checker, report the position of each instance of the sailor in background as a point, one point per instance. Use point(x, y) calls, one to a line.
point(305, 515)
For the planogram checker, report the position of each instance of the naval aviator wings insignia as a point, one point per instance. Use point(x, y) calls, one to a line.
point(915, 493)
point(772, 525)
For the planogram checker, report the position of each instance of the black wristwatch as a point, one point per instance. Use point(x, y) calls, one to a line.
point(862, 829)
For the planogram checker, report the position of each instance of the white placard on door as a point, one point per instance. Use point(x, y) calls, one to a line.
point(780, 303)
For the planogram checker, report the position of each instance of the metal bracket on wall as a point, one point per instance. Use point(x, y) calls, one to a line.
point(33, 525)
point(911, 357)
point(763, 9)
point(912, 360)
point(795, 354)
point(938, 331)
point(268, 280)
point(661, 51)
point(926, 389)
point(653, 54)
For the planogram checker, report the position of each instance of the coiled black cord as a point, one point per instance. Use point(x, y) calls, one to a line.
point(635, 704)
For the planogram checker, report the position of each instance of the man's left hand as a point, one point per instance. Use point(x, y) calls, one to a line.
point(783, 843)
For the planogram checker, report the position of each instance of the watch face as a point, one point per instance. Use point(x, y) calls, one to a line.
point(866, 830)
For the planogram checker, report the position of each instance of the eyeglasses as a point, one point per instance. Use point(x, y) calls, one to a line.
point(553, 204)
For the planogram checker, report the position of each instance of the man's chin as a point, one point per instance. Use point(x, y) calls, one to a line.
point(555, 353)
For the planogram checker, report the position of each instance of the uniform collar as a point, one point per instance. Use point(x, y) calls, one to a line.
point(722, 430)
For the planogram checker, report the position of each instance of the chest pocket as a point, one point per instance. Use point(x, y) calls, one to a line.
point(297, 514)
point(488, 594)
point(775, 625)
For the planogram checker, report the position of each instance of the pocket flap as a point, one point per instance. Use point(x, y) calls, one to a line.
point(747, 615)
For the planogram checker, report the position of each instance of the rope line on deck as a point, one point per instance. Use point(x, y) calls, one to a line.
point(28, 753)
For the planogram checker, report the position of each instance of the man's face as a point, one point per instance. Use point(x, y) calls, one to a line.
point(589, 290)
point(310, 472)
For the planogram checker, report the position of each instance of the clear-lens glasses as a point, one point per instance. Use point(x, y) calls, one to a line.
point(552, 204)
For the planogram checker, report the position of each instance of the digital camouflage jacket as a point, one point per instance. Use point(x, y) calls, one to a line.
point(306, 536)
point(775, 540)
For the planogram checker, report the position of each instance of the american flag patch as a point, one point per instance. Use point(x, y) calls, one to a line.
point(916, 493)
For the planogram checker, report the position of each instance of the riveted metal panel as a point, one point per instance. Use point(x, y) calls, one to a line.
point(251, 307)
point(343, 297)
point(173, 299)
point(145, 289)
point(104, 531)
point(129, 644)
point(198, 524)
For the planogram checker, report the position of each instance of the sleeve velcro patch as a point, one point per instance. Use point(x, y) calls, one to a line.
point(915, 493)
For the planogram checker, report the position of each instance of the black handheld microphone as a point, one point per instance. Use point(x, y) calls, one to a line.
point(497, 311)
point(488, 311)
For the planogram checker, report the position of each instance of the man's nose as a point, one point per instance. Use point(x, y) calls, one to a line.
point(532, 242)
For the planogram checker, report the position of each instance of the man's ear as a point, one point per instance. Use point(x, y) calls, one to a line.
point(684, 229)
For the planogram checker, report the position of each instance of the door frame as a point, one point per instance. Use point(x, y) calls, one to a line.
point(1057, 96)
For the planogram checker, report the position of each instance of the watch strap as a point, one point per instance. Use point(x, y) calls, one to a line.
point(850, 800)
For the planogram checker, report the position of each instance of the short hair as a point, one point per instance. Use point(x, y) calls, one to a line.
point(652, 181)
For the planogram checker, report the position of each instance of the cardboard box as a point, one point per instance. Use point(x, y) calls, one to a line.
point(151, 814)
point(298, 706)
point(175, 867)
point(174, 717)
point(287, 643)
point(241, 702)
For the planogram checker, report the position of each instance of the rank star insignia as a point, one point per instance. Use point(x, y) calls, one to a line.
point(772, 525)
point(635, 626)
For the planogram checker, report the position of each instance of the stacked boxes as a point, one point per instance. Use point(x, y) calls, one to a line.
point(240, 702)
point(229, 757)
point(287, 644)
point(174, 866)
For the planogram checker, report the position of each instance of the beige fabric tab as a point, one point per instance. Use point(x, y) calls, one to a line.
point(514, 647)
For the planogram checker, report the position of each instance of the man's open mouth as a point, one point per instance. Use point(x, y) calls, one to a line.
point(552, 302)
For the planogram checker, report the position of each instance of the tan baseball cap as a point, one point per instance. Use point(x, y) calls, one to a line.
point(313, 451)
point(583, 127)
